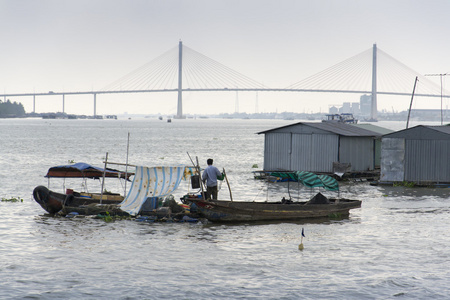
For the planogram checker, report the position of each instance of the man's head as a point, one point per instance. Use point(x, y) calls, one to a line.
point(209, 161)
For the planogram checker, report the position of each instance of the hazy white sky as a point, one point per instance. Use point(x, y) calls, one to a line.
point(85, 45)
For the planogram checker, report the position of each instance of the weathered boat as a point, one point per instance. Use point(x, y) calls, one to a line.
point(341, 118)
point(53, 202)
point(149, 193)
point(286, 209)
point(239, 211)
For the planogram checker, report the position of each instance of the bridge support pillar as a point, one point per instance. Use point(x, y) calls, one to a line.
point(34, 103)
point(374, 109)
point(95, 105)
point(63, 104)
point(180, 78)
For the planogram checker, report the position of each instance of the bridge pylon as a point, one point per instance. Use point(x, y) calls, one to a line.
point(373, 111)
point(180, 81)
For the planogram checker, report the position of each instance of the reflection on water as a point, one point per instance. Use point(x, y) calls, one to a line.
point(416, 193)
point(395, 245)
point(306, 221)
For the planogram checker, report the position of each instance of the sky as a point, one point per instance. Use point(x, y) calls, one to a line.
point(85, 45)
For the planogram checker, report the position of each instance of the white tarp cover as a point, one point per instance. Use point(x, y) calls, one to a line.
point(151, 182)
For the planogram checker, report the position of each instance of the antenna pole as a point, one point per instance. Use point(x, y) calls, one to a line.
point(440, 75)
point(410, 104)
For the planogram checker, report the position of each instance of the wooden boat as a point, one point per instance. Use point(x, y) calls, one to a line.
point(54, 202)
point(145, 196)
point(317, 207)
point(83, 203)
point(63, 204)
point(238, 211)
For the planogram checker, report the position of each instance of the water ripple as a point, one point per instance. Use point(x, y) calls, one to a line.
point(394, 246)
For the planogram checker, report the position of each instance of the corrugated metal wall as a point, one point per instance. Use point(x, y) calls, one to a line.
point(314, 152)
point(307, 148)
point(359, 151)
point(310, 152)
point(277, 147)
point(377, 153)
point(427, 160)
point(301, 152)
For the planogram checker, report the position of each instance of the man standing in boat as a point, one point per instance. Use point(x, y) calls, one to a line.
point(210, 176)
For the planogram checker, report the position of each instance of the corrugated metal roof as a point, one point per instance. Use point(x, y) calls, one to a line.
point(422, 132)
point(374, 128)
point(334, 127)
point(444, 129)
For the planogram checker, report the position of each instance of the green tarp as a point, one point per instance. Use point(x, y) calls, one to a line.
point(310, 179)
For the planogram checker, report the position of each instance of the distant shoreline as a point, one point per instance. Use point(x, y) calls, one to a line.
point(382, 116)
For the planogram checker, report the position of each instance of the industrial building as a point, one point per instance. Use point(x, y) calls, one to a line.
point(321, 147)
point(420, 154)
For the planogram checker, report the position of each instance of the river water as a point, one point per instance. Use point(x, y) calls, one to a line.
point(396, 246)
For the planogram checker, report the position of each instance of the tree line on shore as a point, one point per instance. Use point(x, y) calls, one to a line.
point(10, 109)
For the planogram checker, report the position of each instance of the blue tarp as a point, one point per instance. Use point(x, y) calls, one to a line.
point(83, 170)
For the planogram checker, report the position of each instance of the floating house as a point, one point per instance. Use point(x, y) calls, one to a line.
point(325, 147)
point(420, 154)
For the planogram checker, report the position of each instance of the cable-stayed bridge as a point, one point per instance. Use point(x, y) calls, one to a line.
point(183, 69)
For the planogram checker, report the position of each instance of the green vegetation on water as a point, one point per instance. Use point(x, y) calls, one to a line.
point(108, 218)
point(13, 199)
point(405, 184)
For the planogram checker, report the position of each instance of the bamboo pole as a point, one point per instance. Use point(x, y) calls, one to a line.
point(200, 178)
point(120, 164)
point(197, 168)
point(229, 188)
point(126, 167)
point(103, 180)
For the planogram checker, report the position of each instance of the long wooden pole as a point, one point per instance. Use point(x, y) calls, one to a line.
point(229, 188)
point(200, 178)
point(120, 164)
point(103, 181)
point(126, 167)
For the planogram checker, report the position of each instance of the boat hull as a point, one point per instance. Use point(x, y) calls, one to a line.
point(54, 202)
point(238, 211)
